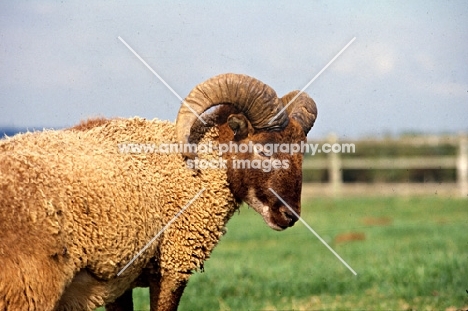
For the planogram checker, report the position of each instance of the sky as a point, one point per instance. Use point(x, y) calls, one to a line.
point(405, 72)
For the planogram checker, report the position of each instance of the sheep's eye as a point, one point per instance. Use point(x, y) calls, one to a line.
point(263, 154)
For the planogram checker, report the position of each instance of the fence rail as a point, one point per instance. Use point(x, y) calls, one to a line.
point(335, 164)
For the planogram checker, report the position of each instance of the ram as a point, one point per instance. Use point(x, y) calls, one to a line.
point(77, 206)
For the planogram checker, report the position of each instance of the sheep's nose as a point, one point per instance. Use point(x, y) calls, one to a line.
point(288, 215)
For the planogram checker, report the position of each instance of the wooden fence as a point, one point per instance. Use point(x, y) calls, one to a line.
point(335, 164)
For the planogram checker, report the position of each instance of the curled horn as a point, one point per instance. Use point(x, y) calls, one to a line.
point(256, 100)
point(302, 109)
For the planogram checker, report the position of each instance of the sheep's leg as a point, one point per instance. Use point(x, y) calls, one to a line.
point(166, 291)
point(30, 282)
point(123, 303)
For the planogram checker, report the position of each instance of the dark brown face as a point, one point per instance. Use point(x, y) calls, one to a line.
point(253, 175)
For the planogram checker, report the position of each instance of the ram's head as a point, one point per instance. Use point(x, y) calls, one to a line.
point(252, 115)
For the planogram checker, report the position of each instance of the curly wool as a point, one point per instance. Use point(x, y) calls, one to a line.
point(73, 206)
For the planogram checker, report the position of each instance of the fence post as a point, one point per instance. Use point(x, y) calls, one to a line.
point(462, 165)
point(334, 166)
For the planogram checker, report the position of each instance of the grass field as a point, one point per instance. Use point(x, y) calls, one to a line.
point(409, 253)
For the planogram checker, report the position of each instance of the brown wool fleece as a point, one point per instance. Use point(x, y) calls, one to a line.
point(74, 208)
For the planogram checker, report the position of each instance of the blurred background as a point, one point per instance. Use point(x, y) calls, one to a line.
point(399, 93)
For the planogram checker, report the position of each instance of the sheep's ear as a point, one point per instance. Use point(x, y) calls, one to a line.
point(240, 126)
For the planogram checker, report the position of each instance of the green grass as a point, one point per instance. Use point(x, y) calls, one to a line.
point(417, 260)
